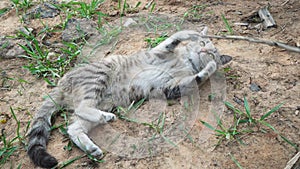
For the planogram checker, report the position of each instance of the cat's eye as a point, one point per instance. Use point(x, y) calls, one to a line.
point(202, 44)
point(211, 55)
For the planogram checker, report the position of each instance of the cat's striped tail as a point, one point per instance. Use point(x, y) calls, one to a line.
point(40, 132)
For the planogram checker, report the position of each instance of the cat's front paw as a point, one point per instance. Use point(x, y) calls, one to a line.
point(95, 151)
point(109, 117)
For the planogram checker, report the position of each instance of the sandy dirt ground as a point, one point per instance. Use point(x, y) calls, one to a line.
point(275, 71)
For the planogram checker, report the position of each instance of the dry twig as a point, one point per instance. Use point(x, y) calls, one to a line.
point(293, 162)
point(256, 40)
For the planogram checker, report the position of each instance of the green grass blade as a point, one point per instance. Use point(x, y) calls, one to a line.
point(220, 132)
point(3, 11)
point(19, 166)
point(271, 111)
point(208, 125)
point(138, 104)
point(230, 106)
point(247, 108)
point(6, 153)
point(18, 124)
point(168, 140)
point(95, 159)
point(243, 121)
point(119, 4)
point(68, 162)
point(289, 142)
point(161, 121)
point(268, 125)
point(235, 161)
point(228, 27)
point(124, 8)
point(138, 4)
point(152, 7)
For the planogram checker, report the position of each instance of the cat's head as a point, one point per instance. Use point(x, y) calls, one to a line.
point(190, 47)
point(200, 50)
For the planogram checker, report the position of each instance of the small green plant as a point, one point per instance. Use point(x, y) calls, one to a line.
point(123, 112)
point(19, 137)
point(68, 13)
point(122, 7)
point(195, 12)
point(22, 4)
point(153, 42)
point(42, 64)
point(80, 9)
point(157, 125)
point(223, 133)
point(230, 74)
point(244, 123)
point(69, 162)
point(10, 146)
point(235, 161)
point(150, 6)
point(89, 10)
point(227, 25)
point(7, 150)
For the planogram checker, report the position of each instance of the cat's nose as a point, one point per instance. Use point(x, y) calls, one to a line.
point(204, 50)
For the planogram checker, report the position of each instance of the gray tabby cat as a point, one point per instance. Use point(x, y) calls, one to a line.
point(94, 90)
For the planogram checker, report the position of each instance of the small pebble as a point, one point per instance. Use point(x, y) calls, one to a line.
point(238, 100)
point(254, 87)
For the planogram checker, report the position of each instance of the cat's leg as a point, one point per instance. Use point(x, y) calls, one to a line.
point(205, 73)
point(171, 43)
point(86, 118)
point(78, 134)
point(188, 84)
point(94, 115)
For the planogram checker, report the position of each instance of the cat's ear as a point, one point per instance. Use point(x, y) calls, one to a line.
point(225, 59)
point(204, 31)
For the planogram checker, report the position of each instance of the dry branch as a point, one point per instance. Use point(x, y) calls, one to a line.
point(256, 40)
point(294, 162)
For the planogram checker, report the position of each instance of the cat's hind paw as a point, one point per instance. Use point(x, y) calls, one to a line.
point(109, 117)
point(95, 151)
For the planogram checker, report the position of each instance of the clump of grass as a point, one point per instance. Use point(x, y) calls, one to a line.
point(157, 125)
point(125, 8)
point(195, 12)
point(22, 4)
point(122, 7)
point(88, 10)
point(244, 123)
point(7, 150)
point(46, 66)
point(80, 9)
point(153, 42)
point(9, 146)
point(153, 5)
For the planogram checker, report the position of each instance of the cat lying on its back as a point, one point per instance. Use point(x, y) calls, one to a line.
point(93, 90)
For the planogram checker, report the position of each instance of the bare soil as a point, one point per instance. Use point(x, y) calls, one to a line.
point(274, 70)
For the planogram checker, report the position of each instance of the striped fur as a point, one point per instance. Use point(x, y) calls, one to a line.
point(95, 89)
